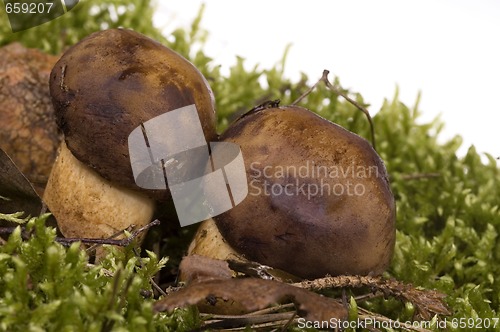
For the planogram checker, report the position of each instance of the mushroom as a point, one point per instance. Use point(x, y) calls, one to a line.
point(103, 88)
point(29, 134)
point(319, 199)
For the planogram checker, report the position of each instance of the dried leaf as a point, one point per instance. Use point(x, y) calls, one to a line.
point(202, 268)
point(17, 193)
point(249, 294)
point(199, 267)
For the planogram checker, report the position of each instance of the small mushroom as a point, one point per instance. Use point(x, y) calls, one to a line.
point(102, 89)
point(28, 132)
point(319, 199)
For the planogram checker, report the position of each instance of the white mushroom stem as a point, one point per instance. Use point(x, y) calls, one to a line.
point(88, 206)
point(208, 242)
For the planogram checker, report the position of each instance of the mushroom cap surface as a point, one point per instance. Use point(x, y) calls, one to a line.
point(319, 200)
point(113, 81)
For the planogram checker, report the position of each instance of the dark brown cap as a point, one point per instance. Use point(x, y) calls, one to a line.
point(110, 83)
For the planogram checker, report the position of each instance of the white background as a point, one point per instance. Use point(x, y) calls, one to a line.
point(447, 49)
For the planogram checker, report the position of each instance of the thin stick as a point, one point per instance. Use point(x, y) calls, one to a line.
point(273, 309)
point(94, 246)
point(121, 243)
point(427, 302)
point(324, 78)
point(311, 89)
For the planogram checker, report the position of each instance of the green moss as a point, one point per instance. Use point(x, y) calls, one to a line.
point(47, 287)
point(85, 18)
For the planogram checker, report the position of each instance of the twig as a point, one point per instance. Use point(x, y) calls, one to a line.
point(44, 209)
point(121, 242)
point(324, 78)
point(110, 241)
point(272, 316)
point(9, 230)
point(94, 246)
point(426, 302)
point(285, 326)
point(311, 89)
point(368, 296)
point(275, 308)
point(156, 278)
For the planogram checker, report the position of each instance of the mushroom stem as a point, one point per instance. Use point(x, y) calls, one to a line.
point(88, 206)
point(208, 242)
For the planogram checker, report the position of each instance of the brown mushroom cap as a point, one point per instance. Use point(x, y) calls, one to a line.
point(113, 81)
point(28, 132)
point(346, 227)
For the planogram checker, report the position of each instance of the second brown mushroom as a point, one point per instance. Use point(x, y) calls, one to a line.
point(319, 199)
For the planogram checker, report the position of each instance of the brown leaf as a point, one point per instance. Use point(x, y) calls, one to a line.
point(199, 267)
point(20, 195)
point(202, 268)
point(248, 295)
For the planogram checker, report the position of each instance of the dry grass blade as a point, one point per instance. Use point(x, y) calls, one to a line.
point(278, 317)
